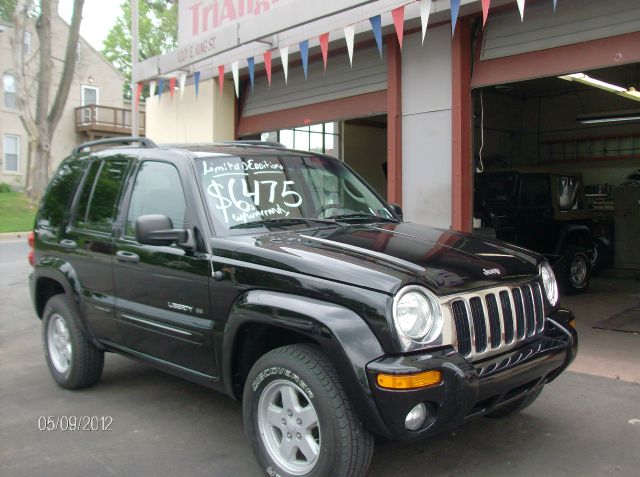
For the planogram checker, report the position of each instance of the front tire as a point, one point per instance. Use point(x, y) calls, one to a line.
point(574, 270)
point(74, 362)
point(298, 418)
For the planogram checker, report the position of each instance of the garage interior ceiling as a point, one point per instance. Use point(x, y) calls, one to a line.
point(627, 76)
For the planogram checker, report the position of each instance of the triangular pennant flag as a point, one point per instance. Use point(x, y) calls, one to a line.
point(182, 80)
point(555, 2)
point(284, 56)
point(455, 7)
point(152, 88)
point(221, 78)
point(172, 86)
point(349, 33)
point(521, 8)
point(138, 93)
point(160, 87)
point(304, 55)
point(236, 78)
point(267, 65)
point(376, 26)
point(196, 81)
point(398, 21)
point(425, 9)
point(251, 64)
point(324, 46)
point(485, 11)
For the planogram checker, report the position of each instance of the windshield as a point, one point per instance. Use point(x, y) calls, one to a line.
point(266, 191)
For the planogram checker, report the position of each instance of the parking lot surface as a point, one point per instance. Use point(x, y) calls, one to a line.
point(582, 425)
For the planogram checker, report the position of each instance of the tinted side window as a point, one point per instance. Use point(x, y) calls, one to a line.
point(83, 204)
point(157, 191)
point(99, 210)
point(57, 199)
point(535, 191)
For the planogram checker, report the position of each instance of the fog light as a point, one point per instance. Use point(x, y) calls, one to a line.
point(416, 417)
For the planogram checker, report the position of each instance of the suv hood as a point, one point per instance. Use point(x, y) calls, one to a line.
point(385, 257)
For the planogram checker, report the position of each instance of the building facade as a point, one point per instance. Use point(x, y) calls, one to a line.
point(421, 120)
point(97, 86)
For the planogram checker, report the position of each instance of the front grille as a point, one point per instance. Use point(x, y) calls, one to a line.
point(491, 320)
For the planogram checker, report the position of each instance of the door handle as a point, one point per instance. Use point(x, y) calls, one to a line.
point(131, 257)
point(68, 244)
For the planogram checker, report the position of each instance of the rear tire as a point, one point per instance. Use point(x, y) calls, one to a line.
point(574, 270)
point(516, 406)
point(73, 360)
point(298, 418)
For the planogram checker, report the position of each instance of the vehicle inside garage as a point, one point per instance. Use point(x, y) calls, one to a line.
point(561, 154)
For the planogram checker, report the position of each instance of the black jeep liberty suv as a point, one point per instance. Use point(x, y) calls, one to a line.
point(282, 279)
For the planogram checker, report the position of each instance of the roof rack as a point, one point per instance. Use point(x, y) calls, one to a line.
point(254, 142)
point(143, 141)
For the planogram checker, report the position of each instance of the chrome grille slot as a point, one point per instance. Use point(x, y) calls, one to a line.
point(479, 325)
point(507, 316)
point(529, 310)
point(463, 330)
point(490, 321)
point(517, 299)
point(538, 305)
point(494, 320)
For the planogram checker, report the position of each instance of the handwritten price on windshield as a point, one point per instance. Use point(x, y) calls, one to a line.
point(247, 201)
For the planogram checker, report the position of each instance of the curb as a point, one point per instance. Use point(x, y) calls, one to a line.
point(12, 236)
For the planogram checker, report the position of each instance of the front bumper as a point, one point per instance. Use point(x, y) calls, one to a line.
point(469, 390)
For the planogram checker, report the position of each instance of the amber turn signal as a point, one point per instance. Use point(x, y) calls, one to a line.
point(409, 381)
point(572, 323)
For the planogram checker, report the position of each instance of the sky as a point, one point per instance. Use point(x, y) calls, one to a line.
point(98, 16)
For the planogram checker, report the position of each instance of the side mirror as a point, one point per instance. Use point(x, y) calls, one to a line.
point(158, 230)
point(397, 210)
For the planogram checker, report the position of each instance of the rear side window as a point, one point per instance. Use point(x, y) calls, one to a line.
point(100, 193)
point(57, 199)
point(535, 191)
point(157, 190)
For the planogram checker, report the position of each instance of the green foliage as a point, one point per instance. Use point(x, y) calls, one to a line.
point(4, 187)
point(7, 8)
point(17, 213)
point(158, 32)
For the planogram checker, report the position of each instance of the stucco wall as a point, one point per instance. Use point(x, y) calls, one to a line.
point(426, 128)
point(91, 69)
point(187, 119)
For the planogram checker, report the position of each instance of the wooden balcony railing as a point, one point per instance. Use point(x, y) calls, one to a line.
point(95, 120)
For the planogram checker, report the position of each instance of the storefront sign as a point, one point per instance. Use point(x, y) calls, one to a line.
point(203, 17)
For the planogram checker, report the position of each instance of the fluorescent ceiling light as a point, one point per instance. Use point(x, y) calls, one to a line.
point(609, 117)
point(630, 93)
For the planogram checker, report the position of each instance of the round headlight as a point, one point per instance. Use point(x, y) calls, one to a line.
point(417, 315)
point(549, 282)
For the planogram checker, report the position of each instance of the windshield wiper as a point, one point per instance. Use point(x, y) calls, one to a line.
point(363, 215)
point(282, 222)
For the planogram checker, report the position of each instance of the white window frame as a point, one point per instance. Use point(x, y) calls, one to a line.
point(85, 87)
point(26, 43)
point(14, 92)
point(4, 153)
point(86, 115)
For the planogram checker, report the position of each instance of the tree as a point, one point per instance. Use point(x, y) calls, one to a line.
point(157, 31)
point(7, 7)
point(39, 115)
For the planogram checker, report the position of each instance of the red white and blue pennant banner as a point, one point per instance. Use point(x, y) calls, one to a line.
point(397, 15)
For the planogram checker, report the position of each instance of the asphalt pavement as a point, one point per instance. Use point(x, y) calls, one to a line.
point(582, 425)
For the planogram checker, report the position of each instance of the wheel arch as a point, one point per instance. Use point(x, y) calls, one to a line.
point(263, 320)
point(57, 278)
point(575, 234)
